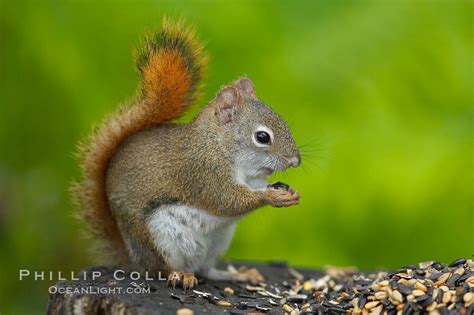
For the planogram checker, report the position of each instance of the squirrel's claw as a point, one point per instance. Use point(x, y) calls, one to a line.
point(174, 278)
point(186, 279)
point(189, 281)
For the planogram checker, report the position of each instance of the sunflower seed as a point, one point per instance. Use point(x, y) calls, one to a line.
point(455, 277)
point(424, 300)
point(263, 308)
point(436, 265)
point(298, 298)
point(425, 264)
point(457, 262)
point(429, 287)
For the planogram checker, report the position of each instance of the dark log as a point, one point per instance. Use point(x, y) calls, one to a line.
point(102, 296)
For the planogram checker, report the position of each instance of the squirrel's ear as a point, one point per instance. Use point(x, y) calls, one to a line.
point(246, 86)
point(226, 104)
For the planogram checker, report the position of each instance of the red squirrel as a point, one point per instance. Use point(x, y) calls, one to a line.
point(160, 196)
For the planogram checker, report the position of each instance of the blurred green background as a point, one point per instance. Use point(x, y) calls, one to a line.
point(379, 92)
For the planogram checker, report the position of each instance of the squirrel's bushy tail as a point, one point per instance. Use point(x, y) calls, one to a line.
point(171, 64)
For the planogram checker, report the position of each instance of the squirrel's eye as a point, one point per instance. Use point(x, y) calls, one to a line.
point(262, 137)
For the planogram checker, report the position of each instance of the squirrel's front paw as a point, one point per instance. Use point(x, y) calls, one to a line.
point(186, 279)
point(281, 195)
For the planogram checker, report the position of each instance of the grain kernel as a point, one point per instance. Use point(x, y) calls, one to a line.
point(444, 277)
point(420, 286)
point(371, 305)
point(287, 308)
point(223, 303)
point(435, 293)
point(184, 311)
point(446, 297)
point(468, 298)
point(397, 296)
point(470, 280)
point(431, 307)
point(380, 295)
point(229, 291)
point(304, 306)
point(377, 310)
point(417, 292)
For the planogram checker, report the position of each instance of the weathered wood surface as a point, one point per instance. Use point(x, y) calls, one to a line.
point(159, 300)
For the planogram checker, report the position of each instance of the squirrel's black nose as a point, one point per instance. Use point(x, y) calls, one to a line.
point(295, 161)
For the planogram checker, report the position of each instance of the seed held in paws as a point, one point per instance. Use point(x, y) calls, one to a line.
point(279, 185)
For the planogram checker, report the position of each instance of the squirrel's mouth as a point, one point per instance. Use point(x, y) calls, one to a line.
point(256, 178)
point(259, 181)
point(266, 171)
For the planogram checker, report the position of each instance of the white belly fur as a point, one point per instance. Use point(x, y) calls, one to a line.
point(190, 239)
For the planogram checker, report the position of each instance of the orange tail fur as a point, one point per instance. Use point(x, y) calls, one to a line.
point(171, 64)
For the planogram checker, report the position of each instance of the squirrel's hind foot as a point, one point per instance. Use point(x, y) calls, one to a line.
point(244, 274)
point(251, 275)
point(187, 279)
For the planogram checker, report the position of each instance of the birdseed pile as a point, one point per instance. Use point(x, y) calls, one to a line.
point(428, 288)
